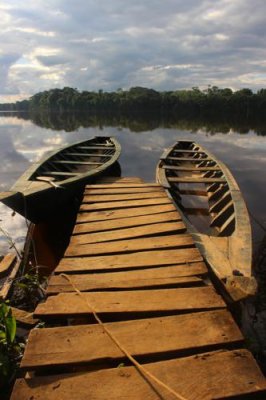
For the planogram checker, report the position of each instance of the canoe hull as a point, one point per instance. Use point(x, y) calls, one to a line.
point(187, 170)
point(44, 188)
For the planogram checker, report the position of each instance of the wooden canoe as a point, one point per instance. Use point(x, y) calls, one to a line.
point(56, 178)
point(214, 211)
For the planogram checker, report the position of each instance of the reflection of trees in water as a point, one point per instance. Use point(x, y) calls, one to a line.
point(140, 122)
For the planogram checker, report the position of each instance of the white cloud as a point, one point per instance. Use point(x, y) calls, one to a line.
point(167, 45)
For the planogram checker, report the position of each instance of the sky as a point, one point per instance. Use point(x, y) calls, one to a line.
point(111, 44)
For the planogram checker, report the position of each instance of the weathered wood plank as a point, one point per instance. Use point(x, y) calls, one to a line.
point(75, 162)
point(89, 344)
point(187, 159)
point(132, 302)
point(65, 173)
point(122, 190)
point(124, 204)
point(206, 376)
point(195, 180)
point(7, 263)
point(124, 213)
point(124, 246)
point(119, 179)
point(122, 185)
point(128, 233)
point(135, 279)
point(126, 222)
point(186, 168)
point(130, 260)
point(88, 154)
point(121, 197)
point(103, 147)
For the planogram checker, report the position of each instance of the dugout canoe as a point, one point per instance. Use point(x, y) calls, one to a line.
point(212, 206)
point(57, 177)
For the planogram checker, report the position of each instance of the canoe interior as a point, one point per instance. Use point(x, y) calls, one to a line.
point(60, 176)
point(212, 205)
point(71, 162)
point(200, 188)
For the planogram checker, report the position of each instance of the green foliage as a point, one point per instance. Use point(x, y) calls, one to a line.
point(28, 289)
point(10, 350)
point(213, 102)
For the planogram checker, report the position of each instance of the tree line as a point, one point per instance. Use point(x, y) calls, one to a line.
point(211, 102)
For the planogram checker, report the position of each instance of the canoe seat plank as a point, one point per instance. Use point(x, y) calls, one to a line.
point(185, 168)
point(104, 147)
point(191, 159)
point(196, 180)
point(76, 162)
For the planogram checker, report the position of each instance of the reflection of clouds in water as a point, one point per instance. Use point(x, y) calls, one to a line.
point(14, 226)
point(245, 154)
point(34, 145)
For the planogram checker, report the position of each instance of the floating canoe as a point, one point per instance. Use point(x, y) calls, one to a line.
point(214, 211)
point(53, 180)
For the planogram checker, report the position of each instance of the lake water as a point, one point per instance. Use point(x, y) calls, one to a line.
point(22, 142)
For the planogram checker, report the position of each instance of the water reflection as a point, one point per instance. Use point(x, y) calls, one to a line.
point(142, 140)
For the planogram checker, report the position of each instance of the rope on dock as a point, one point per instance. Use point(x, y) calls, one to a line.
point(140, 367)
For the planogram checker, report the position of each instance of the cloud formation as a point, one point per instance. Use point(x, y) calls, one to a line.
point(119, 43)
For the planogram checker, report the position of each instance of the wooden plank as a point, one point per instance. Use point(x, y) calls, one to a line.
point(189, 151)
point(195, 180)
point(191, 159)
point(120, 179)
point(122, 190)
point(88, 154)
point(123, 185)
point(74, 345)
point(129, 233)
point(125, 204)
point(103, 147)
point(176, 276)
point(65, 173)
point(7, 263)
point(121, 197)
point(132, 302)
point(76, 162)
point(131, 260)
point(123, 246)
point(9, 280)
point(124, 213)
point(195, 168)
point(206, 376)
point(126, 222)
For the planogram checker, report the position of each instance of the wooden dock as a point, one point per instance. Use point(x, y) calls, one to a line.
point(131, 261)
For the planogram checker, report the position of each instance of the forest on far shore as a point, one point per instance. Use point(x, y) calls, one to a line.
point(211, 102)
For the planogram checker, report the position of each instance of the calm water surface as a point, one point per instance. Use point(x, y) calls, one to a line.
point(22, 142)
